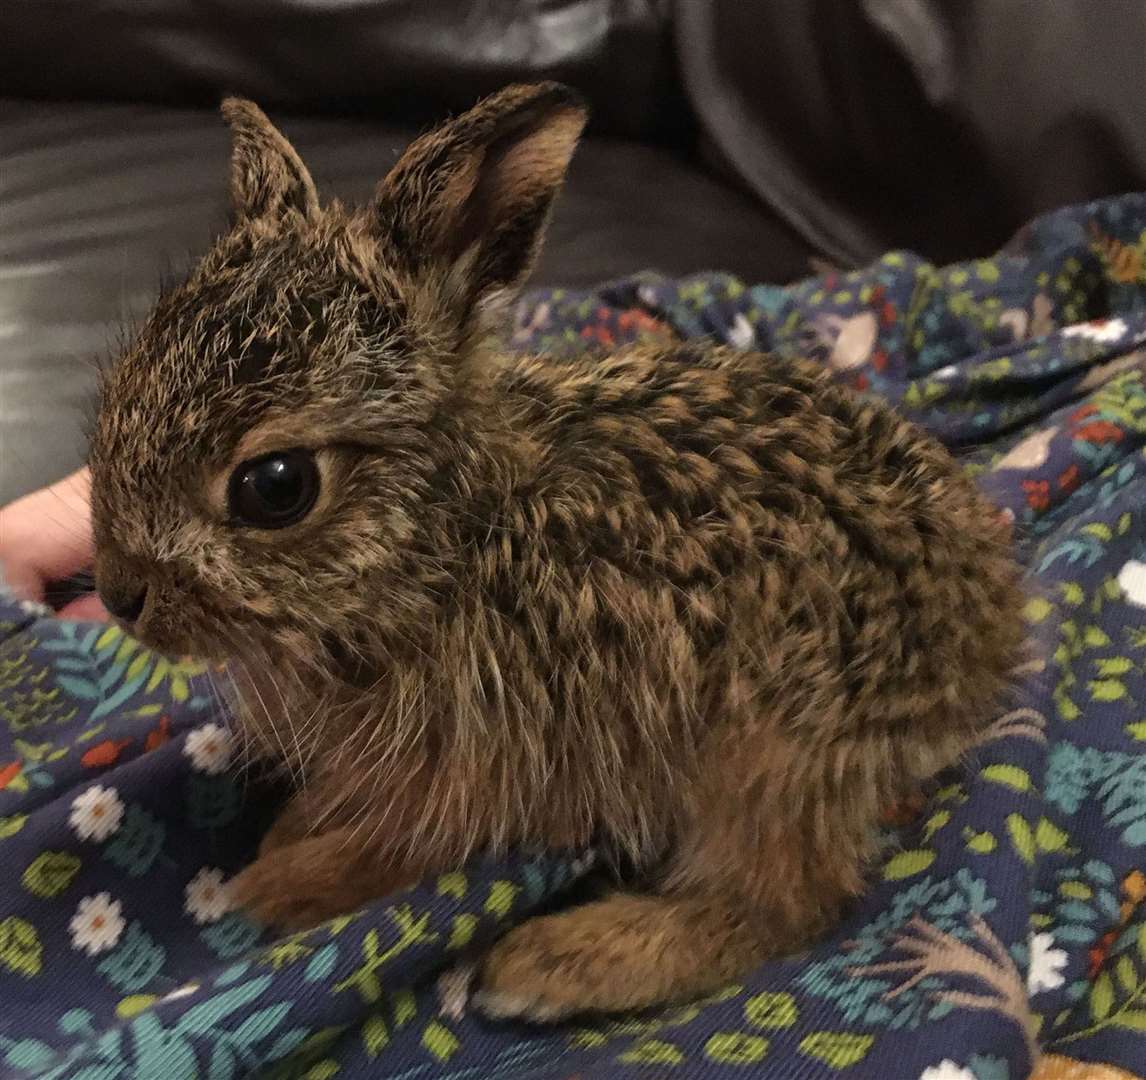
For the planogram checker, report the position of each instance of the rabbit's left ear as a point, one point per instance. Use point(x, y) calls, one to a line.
point(468, 203)
point(268, 178)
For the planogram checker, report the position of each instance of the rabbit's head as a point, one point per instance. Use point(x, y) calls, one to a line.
point(267, 447)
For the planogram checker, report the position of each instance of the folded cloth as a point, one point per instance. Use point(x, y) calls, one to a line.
point(1007, 918)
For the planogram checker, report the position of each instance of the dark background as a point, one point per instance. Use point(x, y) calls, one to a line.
point(726, 134)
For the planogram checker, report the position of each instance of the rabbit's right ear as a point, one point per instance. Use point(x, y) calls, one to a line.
point(268, 178)
point(468, 202)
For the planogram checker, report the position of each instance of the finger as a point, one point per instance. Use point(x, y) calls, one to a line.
point(48, 533)
point(24, 583)
point(85, 609)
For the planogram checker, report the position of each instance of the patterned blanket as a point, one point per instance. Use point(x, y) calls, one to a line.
point(1007, 920)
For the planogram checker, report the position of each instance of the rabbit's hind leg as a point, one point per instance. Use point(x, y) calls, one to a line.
point(627, 951)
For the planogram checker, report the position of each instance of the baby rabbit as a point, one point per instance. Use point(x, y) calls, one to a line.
point(705, 610)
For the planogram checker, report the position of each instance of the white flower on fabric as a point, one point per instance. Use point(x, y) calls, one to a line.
point(186, 990)
point(29, 607)
point(96, 813)
point(209, 748)
point(1031, 453)
point(33, 608)
point(946, 1070)
point(1132, 580)
point(1017, 321)
point(855, 340)
point(741, 334)
point(1047, 964)
point(1101, 330)
point(97, 924)
point(208, 898)
point(948, 372)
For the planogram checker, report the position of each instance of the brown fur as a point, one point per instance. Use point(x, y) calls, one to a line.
point(705, 608)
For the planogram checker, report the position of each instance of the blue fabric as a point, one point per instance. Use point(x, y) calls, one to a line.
point(1007, 915)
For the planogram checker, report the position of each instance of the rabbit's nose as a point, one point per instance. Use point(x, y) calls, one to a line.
point(125, 600)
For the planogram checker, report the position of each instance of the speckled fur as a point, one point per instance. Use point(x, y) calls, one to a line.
point(704, 608)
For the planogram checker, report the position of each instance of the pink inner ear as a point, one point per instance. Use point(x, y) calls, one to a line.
point(507, 184)
point(535, 164)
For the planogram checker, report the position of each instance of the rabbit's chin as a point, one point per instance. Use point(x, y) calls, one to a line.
point(176, 642)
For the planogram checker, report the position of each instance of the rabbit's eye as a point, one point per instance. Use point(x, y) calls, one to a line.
point(275, 490)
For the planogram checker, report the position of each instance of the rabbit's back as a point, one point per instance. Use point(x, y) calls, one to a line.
point(814, 543)
point(704, 578)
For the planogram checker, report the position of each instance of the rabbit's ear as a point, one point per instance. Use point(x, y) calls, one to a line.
point(268, 179)
point(471, 199)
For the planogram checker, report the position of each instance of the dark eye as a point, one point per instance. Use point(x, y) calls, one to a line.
point(275, 490)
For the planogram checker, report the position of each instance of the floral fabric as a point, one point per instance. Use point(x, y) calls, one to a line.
point(1007, 920)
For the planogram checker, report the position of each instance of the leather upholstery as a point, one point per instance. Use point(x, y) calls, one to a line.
point(379, 58)
point(98, 201)
point(936, 125)
point(850, 128)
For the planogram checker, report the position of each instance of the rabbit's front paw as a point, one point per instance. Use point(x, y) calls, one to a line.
point(292, 825)
point(535, 973)
point(296, 886)
point(272, 891)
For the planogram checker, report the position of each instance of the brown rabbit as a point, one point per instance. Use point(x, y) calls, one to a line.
point(705, 609)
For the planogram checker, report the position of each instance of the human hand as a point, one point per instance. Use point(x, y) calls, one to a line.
point(46, 537)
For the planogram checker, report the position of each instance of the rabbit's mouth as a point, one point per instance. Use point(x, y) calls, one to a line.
point(175, 642)
point(165, 626)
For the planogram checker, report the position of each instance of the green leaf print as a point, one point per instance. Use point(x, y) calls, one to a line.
point(501, 897)
point(1127, 976)
point(441, 1043)
point(452, 884)
point(771, 1010)
point(462, 931)
point(1072, 593)
point(652, 1052)
point(375, 1035)
point(1095, 638)
point(20, 948)
point(324, 1070)
point(907, 863)
point(1009, 775)
point(732, 1048)
point(1107, 689)
point(50, 873)
point(411, 930)
point(935, 823)
point(105, 667)
point(1049, 837)
point(982, 843)
point(1115, 665)
point(1022, 838)
point(1101, 997)
point(837, 1049)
